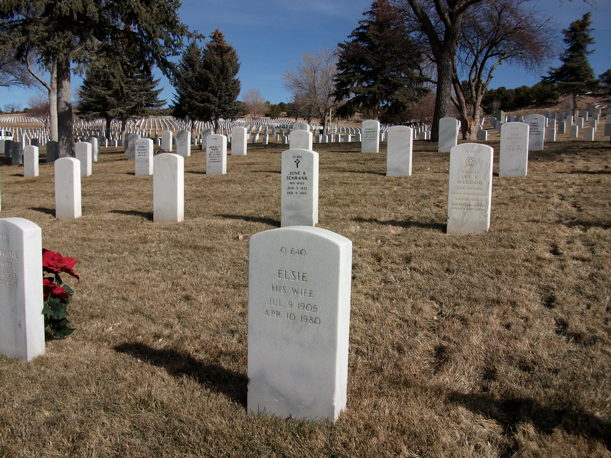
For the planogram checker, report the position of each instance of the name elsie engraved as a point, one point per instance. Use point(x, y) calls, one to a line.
point(292, 298)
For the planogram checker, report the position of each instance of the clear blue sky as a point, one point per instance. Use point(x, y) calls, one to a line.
point(270, 36)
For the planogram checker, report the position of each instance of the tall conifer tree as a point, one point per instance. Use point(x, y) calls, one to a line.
point(575, 76)
point(206, 81)
point(379, 67)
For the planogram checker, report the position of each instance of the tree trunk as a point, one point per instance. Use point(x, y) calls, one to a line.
point(64, 107)
point(574, 96)
point(107, 131)
point(443, 97)
point(53, 104)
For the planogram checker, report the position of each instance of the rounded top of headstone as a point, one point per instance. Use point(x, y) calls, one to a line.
point(21, 223)
point(304, 231)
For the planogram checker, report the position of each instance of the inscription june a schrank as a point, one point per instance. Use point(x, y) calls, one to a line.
point(292, 295)
point(297, 178)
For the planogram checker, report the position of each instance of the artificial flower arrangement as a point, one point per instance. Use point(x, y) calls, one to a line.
point(56, 293)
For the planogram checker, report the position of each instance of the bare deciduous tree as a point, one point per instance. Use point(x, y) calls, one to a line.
point(255, 103)
point(311, 83)
point(496, 31)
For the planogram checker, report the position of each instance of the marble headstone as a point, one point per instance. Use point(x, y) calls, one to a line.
point(299, 188)
point(536, 132)
point(300, 139)
point(144, 157)
point(30, 161)
point(85, 157)
point(168, 188)
point(22, 327)
point(470, 189)
point(239, 137)
point(183, 143)
point(67, 188)
point(52, 151)
point(216, 155)
point(399, 151)
point(167, 141)
point(370, 138)
point(298, 323)
point(513, 159)
point(448, 134)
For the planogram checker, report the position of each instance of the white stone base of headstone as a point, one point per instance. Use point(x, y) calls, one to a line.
point(168, 188)
point(67, 188)
point(22, 327)
point(470, 190)
point(298, 323)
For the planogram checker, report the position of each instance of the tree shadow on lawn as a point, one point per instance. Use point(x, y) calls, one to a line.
point(406, 224)
point(509, 413)
point(366, 172)
point(145, 215)
point(252, 219)
point(231, 384)
point(48, 211)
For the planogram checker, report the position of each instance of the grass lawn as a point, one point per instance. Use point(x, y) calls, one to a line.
point(462, 345)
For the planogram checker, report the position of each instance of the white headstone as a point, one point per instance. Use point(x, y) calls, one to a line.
point(22, 327)
point(300, 139)
point(399, 151)
point(168, 188)
point(144, 157)
point(30, 161)
point(183, 143)
point(298, 323)
point(216, 155)
point(550, 134)
point(67, 188)
point(470, 190)
point(130, 145)
point(95, 147)
point(300, 125)
point(85, 156)
point(370, 142)
point(513, 160)
point(299, 188)
point(238, 141)
point(574, 131)
point(448, 134)
point(166, 141)
point(536, 132)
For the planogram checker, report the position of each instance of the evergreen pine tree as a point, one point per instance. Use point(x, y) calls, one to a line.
point(379, 67)
point(120, 87)
point(206, 82)
point(575, 76)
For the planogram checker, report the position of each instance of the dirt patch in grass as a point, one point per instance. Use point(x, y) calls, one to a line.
point(487, 345)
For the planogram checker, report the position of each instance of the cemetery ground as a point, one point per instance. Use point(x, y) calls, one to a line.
point(460, 345)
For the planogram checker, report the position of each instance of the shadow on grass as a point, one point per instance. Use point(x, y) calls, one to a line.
point(406, 224)
point(252, 219)
point(195, 172)
point(145, 215)
point(588, 172)
point(366, 172)
point(48, 211)
point(267, 171)
point(178, 364)
point(509, 413)
point(586, 224)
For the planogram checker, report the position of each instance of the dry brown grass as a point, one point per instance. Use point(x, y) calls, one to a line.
point(487, 345)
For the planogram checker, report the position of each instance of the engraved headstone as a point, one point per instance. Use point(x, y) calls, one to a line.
point(85, 157)
point(216, 155)
point(574, 131)
point(144, 157)
point(168, 188)
point(300, 139)
point(399, 151)
point(470, 190)
point(183, 143)
point(299, 188)
point(298, 323)
point(370, 139)
point(30, 161)
point(95, 147)
point(130, 145)
point(300, 125)
point(16, 149)
point(513, 159)
point(588, 134)
point(448, 134)
point(239, 137)
point(536, 132)
point(22, 327)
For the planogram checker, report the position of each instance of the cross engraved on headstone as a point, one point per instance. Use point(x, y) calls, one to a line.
point(297, 161)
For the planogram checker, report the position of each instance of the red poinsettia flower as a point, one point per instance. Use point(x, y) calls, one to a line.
point(56, 263)
point(51, 288)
